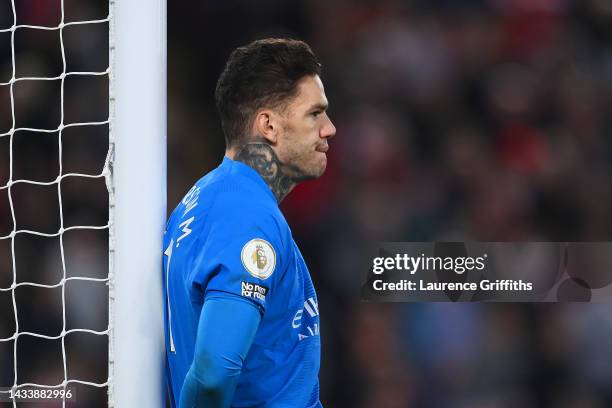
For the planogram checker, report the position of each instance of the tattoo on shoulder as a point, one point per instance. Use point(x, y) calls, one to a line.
point(261, 157)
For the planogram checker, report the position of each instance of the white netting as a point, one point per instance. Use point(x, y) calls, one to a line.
point(105, 174)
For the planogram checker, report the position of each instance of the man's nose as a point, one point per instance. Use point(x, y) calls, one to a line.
point(328, 130)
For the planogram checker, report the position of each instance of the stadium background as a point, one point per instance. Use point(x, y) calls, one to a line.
point(465, 120)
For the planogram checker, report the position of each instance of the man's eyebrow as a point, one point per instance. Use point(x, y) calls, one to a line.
point(319, 106)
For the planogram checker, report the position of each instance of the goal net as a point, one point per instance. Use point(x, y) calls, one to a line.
point(82, 202)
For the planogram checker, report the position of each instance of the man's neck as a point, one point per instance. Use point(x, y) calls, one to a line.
point(262, 158)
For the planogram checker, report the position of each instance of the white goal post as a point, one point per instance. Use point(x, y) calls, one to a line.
point(135, 176)
point(138, 201)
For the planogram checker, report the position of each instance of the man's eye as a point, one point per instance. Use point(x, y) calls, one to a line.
point(315, 114)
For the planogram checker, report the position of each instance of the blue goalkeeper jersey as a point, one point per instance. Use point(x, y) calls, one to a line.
point(228, 237)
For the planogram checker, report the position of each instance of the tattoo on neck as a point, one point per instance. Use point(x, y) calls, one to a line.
point(262, 158)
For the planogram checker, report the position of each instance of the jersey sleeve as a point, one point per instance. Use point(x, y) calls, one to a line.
point(242, 254)
point(226, 330)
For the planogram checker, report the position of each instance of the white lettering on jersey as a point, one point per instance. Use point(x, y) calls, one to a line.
point(191, 199)
point(186, 230)
point(254, 291)
point(297, 319)
point(312, 307)
point(168, 253)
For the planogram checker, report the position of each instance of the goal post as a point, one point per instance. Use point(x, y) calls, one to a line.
point(138, 201)
point(53, 285)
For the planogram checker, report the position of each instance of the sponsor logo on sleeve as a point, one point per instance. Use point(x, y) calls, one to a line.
point(254, 291)
point(258, 258)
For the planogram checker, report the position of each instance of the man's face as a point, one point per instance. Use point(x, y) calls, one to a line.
point(302, 142)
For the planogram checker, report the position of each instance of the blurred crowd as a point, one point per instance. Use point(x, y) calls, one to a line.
point(483, 120)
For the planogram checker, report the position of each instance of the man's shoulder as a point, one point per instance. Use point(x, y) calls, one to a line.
point(219, 186)
point(245, 206)
point(221, 200)
point(239, 196)
point(229, 183)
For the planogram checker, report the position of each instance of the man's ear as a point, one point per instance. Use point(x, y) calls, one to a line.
point(267, 125)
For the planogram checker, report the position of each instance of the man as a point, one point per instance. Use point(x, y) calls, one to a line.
point(242, 318)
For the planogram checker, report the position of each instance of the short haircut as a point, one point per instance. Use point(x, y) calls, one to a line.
point(262, 74)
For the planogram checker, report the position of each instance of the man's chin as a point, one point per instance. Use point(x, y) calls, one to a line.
point(322, 166)
point(311, 174)
point(318, 173)
point(318, 170)
point(313, 170)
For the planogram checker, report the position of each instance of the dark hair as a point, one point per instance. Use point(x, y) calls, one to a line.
point(263, 73)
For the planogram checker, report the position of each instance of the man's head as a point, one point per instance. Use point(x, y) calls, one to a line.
point(270, 92)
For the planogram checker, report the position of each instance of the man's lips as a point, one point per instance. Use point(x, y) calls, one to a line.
point(323, 149)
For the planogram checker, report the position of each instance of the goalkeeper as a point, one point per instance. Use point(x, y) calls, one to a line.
point(241, 317)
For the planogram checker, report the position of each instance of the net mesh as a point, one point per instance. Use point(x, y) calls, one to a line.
point(21, 338)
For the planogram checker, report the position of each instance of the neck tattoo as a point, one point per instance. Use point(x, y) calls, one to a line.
point(263, 160)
